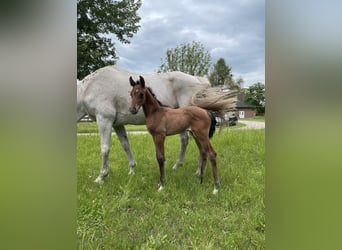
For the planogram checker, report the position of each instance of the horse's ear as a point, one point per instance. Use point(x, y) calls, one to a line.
point(142, 81)
point(132, 81)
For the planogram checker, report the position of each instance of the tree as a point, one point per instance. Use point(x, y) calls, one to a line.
point(255, 95)
point(95, 20)
point(221, 75)
point(188, 58)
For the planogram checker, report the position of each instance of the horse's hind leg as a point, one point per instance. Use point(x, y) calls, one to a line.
point(80, 111)
point(184, 137)
point(122, 135)
point(105, 129)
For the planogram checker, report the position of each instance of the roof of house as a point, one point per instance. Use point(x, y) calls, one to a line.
point(242, 104)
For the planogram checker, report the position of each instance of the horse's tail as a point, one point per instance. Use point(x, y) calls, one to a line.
point(216, 100)
point(213, 124)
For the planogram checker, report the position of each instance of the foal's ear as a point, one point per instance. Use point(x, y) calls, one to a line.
point(142, 81)
point(132, 81)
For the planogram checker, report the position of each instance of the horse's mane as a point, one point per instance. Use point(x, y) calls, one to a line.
point(155, 97)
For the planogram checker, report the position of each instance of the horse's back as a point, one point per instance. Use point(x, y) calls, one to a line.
point(104, 79)
point(100, 91)
point(106, 92)
point(176, 88)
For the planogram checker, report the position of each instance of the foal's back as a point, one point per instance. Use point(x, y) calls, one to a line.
point(174, 121)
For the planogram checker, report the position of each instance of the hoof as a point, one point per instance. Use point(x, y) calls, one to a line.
point(177, 165)
point(131, 171)
point(160, 188)
point(215, 191)
point(99, 180)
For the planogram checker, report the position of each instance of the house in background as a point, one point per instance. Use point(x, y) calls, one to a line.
point(244, 110)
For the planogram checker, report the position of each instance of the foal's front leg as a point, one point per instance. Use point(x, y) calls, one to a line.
point(159, 144)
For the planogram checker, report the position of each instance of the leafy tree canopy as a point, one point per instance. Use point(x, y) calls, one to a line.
point(95, 20)
point(255, 95)
point(188, 58)
point(221, 75)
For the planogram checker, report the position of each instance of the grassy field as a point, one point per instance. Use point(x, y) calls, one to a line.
point(91, 127)
point(127, 212)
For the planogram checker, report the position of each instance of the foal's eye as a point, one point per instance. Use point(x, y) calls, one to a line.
point(141, 95)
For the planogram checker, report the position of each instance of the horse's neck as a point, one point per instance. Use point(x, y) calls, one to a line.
point(151, 104)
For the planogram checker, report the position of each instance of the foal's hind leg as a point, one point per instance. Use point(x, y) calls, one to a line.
point(203, 142)
point(212, 158)
point(184, 138)
point(122, 135)
point(105, 129)
point(202, 159)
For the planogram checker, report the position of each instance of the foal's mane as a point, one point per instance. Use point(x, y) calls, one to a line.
point(155, 97)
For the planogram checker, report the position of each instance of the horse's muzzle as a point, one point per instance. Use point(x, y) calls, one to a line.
point(133, 110)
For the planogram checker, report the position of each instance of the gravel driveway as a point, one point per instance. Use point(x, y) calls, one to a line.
point(252, 124)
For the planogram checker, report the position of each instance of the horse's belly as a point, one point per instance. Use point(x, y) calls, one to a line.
point(123, 119)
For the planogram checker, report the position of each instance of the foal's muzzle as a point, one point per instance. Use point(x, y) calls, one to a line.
point(133, 110)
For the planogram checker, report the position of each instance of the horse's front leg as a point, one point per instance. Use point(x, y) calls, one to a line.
point(159, 144)
point(122, 135)
point(105, 129)
point(184, 138)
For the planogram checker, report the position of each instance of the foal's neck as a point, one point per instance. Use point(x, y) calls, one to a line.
point(151, 104)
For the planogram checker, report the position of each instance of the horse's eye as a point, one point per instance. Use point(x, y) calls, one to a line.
point(141, 95)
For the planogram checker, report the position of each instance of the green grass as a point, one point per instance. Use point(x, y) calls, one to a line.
point(91, 127)
point(127, 212)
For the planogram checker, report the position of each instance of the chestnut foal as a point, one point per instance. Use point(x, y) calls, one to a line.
point(163, 121)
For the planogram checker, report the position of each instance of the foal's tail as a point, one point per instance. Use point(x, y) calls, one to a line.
point(213, 124)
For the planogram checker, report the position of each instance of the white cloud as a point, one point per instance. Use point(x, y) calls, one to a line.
point(231, 29)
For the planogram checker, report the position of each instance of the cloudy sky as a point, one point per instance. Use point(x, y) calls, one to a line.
point(231, 29)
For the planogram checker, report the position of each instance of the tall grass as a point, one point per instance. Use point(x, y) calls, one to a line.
point(127, 212)
point(91, 127)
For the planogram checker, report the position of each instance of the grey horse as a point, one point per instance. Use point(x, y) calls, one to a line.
point(105, 96)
